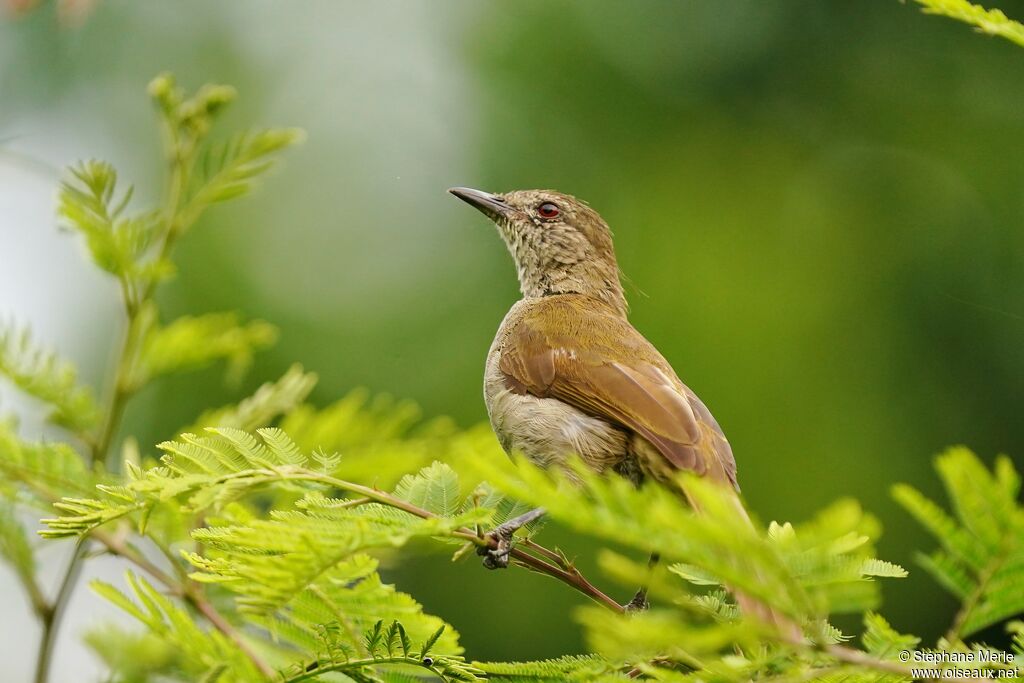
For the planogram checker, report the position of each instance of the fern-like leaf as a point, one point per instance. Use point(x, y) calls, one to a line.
point(91, 203)
point(15, 549)
point(362, 611)
point(268, 561)
point(267, 403)
point(882, 640)
point(46, 471)
point(43, 375)
point(435, 488)
point(202, 651)
point(982, 555)
point(193, 342)
point(568, 668)
point(990, 21)
point(229, 169)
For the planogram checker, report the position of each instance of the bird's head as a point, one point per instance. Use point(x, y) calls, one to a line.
point(560, 244)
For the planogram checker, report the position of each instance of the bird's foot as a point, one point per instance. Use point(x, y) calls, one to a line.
point(638, 603)
point(496, 557)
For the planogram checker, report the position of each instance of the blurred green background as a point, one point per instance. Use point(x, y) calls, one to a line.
point(818, 206)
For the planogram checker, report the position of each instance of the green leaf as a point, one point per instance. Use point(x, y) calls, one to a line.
point(269, 561)
point(14, 545)
point(229, 170)
point(805, 571)
point(882, 640)
point(46, 471)
point(269, 402)
point(381, 439)
point(132, 656)
point(434, 488)
point(568, 668)
point(982, 561)
point(694, 575)
point(123, 245)
point(193, 342)
point(42, 374)
point(990, 21)
point(201, 651)
point(876, 567)
point(351, 596)
point(431, 640)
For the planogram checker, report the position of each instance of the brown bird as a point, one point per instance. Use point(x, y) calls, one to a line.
point(568, 375)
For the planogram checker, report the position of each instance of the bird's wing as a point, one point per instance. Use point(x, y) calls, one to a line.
point(622, 379)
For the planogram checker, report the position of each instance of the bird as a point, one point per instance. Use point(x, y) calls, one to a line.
point(568, 375)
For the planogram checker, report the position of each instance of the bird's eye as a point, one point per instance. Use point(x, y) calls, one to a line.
point(548, 210)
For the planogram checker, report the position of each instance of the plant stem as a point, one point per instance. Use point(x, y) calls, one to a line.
point(861, 658)
point(562, 570)
point(51, 614)
point(354, 665)
point(189, 593)
point(51, 617)
point(204, 607)
point(955, 632)
point(99, 448)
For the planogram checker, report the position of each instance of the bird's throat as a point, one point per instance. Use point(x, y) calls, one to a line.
point(596, 280)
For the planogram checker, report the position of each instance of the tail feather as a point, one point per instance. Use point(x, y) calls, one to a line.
point(748, 604)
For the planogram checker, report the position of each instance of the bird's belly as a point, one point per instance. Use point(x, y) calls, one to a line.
point(549, 431)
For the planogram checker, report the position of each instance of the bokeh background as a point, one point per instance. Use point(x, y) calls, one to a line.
point(818, 206)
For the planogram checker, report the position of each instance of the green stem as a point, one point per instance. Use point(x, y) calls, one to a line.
point(190, 594)
point(955, 632)
point(40, 605)
point(562, 570)
point(51, 613)
point(559, 569)
point(861, 658)
point(352, 665)
point(99, 449)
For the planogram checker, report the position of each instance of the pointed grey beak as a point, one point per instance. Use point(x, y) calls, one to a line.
point(492, 206)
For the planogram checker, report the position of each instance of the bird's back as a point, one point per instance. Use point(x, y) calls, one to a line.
point(568, 373)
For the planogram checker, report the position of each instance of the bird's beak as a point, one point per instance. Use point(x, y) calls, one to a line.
point(492, 206)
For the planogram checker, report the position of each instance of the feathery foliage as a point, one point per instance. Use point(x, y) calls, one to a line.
point(270, 516)
point(204, 655)
point(982, 556)
point(91, 203)
point(193, 342)
point(269, 402)
point(990, 21)
point(135, 245)
point(41, 472)
point(383, 439)
point(41, 374)
point(304, 571)
point(14, 545)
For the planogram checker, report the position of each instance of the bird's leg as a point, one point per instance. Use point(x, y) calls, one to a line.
point(639, 601)
point(497, 557)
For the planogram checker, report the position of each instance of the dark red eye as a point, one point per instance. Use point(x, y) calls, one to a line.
point(548, 210)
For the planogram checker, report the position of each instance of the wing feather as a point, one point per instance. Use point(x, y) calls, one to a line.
point(622, 379)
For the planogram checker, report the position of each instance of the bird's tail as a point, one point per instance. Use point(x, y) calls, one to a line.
point(748, 604)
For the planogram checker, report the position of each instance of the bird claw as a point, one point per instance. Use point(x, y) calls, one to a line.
point(497, 557)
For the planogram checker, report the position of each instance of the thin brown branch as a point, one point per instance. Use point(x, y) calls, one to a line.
point(552, 555)
point(50, 613)
point(188, 592)
point(562, 571)
point(204, 607)
point(861, 658)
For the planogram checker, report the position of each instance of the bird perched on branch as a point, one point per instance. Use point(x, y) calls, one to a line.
point(568, 375)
